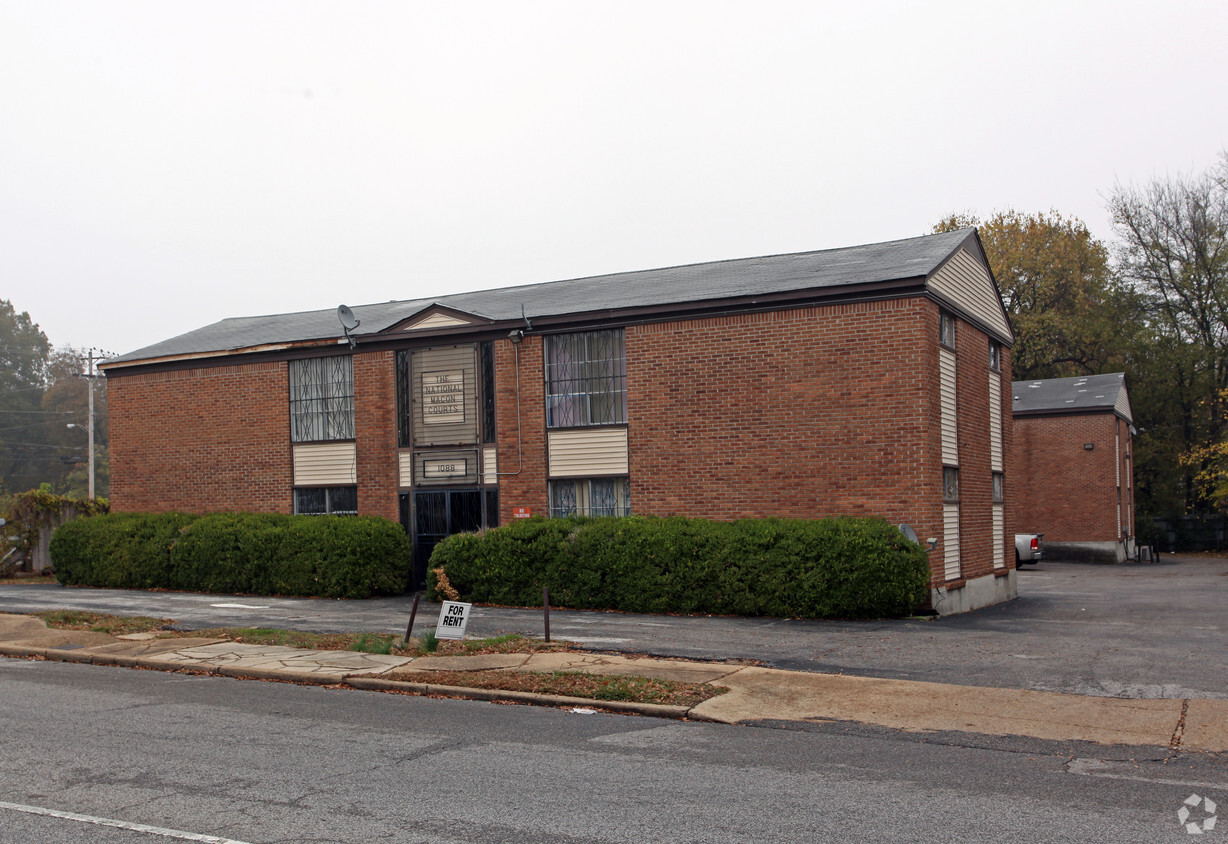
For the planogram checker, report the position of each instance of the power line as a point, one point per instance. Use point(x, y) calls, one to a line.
point(4, 443)
point(2, 412)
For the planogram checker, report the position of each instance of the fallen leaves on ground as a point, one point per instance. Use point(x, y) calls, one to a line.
point(573, 684)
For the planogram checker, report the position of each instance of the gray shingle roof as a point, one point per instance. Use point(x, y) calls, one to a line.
point(877, 262)
point(1086, 392)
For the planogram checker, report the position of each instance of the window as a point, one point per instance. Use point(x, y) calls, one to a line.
point(946, 329)
point(995, 355)
point(950, 485)
point(322, 399)
point(326, 500)
point(998, 490)
point(593, 497)
point(586, 379)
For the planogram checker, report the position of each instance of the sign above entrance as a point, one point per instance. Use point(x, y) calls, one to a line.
point(443, 397)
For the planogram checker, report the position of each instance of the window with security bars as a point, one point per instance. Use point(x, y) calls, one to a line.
point(586, 379)
point(322, 399)
point(590, 497)
point(326, 501)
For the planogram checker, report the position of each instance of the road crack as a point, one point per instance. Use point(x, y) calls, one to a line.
point(1174, 743)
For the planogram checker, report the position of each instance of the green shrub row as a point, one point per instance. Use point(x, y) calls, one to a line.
point(831, 568)
point(252, 553)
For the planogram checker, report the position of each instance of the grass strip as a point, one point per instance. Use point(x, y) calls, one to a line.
point(573, 684)
point(377, 643)
point(28, 580)
point(115, 625)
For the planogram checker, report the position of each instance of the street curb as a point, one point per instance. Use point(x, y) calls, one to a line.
point(355, 681)
point(655, 710)
point(286, 674)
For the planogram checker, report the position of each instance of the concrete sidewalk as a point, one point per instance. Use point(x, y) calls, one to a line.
point(755, 693)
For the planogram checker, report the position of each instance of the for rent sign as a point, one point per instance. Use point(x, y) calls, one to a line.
point(453, 619)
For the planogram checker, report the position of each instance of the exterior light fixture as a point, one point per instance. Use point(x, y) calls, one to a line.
point(1088, 446)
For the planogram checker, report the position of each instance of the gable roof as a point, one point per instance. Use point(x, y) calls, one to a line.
point(1082, 394)
point(820, 273)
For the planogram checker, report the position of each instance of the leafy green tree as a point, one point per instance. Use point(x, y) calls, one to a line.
point(1065, 304)
point(1174, 252)
point(24, 353)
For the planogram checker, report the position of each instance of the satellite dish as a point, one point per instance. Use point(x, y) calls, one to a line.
point(348, 322)
point(909, 534)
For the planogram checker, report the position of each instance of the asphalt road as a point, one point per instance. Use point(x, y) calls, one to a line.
point(1135, 630)
point(262, 762)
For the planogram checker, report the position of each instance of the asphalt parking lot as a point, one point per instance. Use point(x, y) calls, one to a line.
point(1137, 630)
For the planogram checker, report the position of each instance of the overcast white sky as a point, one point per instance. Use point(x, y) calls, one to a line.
point(167, 164)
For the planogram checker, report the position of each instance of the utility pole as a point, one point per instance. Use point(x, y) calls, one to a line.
point(89, 375)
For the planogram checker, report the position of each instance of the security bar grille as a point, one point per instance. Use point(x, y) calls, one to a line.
point(586, 379)
point(322, 399)
point(594, 497)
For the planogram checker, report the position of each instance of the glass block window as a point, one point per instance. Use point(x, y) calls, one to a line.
point(326, 501)
point(322, 399)
point(950, 485)
point(586, 379)
point(998, 490)
point(590, 497)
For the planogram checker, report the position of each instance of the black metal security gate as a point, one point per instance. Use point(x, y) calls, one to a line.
point(431, 515)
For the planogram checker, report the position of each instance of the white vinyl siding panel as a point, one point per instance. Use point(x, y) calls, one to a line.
point(405, 467)
point(588, 452)
point(490, 465)
point(995, 422)
point(325, 464)
point(1122, 405)
point(950, 541)
point(965, 281)
point(1117, 467)
point(946, 398)
point(436, 320)
point(999, 536)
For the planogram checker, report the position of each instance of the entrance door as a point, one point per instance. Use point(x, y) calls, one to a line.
point(440, 513)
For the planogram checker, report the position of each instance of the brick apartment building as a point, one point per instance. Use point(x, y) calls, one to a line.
point(1072, 466)
point(865, 381)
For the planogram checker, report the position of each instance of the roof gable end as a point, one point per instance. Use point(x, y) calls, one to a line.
point(436, 317)
point(964, 281)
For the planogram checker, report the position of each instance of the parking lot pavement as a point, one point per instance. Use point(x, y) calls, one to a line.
point(1145, 631)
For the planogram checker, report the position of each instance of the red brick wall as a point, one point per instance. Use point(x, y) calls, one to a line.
point(210, 439)
point(1065, 491)
point(527, 488)
point(375, 429)
point(201, 440)
point(803, 413)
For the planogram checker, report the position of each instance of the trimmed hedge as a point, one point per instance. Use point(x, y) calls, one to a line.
point(794, 568)
point(251, 553)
